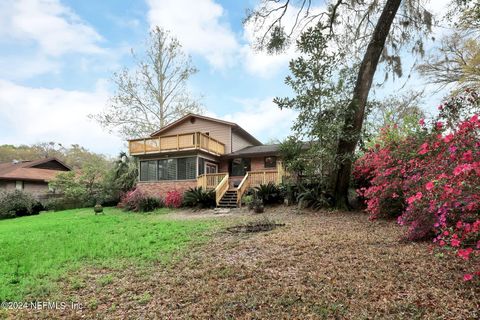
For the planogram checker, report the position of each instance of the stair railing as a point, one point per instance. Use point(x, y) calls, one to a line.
point(221, 189)
point(242, 188)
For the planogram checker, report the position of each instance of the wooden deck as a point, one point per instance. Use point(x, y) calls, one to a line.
point(178, 142)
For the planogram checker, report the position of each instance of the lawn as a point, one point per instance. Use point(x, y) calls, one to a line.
point(37, 251)
point(325, 265)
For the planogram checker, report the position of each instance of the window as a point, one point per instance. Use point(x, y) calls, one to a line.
point(201, 166)
point(270, 162)
point(148, 170)
point(19, 185)
point(211, 167)
point(168, 169)
point(186, 168)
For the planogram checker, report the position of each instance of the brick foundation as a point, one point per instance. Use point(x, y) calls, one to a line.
point(160, 188)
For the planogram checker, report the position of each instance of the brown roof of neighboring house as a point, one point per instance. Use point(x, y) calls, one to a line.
point(26, 170)
point(234, 126)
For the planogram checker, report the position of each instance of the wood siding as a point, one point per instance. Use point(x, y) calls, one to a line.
point(218, 131)
point(36, 189)
point(238, 142)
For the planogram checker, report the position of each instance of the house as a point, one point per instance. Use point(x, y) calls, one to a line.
point(30, 176)
point(201, 151)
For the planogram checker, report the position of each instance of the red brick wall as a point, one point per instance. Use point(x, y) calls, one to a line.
point(258, 164)
point(160, 188)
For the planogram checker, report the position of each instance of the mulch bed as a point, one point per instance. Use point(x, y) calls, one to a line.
point(330, 265)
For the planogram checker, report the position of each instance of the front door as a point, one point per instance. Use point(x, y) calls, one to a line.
point(211, 167)
point(239, 166)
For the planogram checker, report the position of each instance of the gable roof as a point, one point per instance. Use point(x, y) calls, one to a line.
point(235, 127)
point(31, 170)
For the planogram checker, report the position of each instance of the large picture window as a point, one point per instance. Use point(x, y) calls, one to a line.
point(168, 169)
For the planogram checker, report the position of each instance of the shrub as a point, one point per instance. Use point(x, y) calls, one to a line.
point(314, 195)
point(173, 199)
point(268, 193)
point(289, 192)
point(17, 204)
point(199, 198)
point(431, 182)
point(148, 204)
point(248, 200)
point(137, 201)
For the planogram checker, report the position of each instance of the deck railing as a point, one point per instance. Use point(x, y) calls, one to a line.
point(184, 141)
point(255, 178)
point(221, 189)
point(210, 180)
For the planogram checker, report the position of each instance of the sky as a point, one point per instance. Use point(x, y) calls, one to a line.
point(57, 58)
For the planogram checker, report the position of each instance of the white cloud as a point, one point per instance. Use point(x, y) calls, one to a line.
point(263, 119)
point(55, 28)
point(30, 115)
point(198, 26)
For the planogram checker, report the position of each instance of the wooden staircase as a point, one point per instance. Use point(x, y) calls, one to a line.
point(229, 199)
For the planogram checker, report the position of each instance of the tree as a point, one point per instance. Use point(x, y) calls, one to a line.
point(399, 109)
point(353, 25)
point(456, 63)
point(321, 100)
point(152, 94)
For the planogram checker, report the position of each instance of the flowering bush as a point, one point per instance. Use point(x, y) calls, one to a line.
point(430, 181)
point(173, 199)
point(136, 201)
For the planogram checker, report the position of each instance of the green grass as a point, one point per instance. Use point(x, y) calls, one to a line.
point(37, 251)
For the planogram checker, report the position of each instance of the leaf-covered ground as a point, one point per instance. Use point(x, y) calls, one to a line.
point(328, 265)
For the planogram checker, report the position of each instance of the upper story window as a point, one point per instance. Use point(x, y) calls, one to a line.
point(270, 162)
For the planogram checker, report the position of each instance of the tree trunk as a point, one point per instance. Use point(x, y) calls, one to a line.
point(354, 119)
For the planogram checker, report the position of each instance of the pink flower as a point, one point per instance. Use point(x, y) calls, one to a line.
point(423, 148)
point(467, 277)
point(430, 185)
point(439, 125)
point(455, 243)
point(421, 122)
point(448, 138)
point(465, 253)
point(467, 156)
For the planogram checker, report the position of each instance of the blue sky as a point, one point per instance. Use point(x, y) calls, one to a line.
point(56, 58)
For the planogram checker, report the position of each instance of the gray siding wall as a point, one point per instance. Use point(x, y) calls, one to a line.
point(239, 142)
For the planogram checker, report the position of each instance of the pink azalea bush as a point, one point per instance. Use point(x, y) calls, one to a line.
point(137, 201)
point(430, 182)
point(173, 199)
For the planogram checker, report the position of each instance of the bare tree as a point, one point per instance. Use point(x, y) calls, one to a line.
point(367, 32)
point(456, 63)
point(154, 92)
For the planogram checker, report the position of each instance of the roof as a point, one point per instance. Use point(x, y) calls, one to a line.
point(28, 170)
point(234, 126)
point(269, 149)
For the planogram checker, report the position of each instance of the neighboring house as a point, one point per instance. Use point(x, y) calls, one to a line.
point(30, 176)
point(201, 151)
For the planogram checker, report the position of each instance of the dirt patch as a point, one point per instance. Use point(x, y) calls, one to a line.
point(255, 227)
point(327, 265)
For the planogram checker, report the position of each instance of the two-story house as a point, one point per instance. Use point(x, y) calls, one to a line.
point(201, 151)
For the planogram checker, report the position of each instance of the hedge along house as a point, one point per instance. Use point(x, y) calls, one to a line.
point(201, 151)
point(31, 176)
